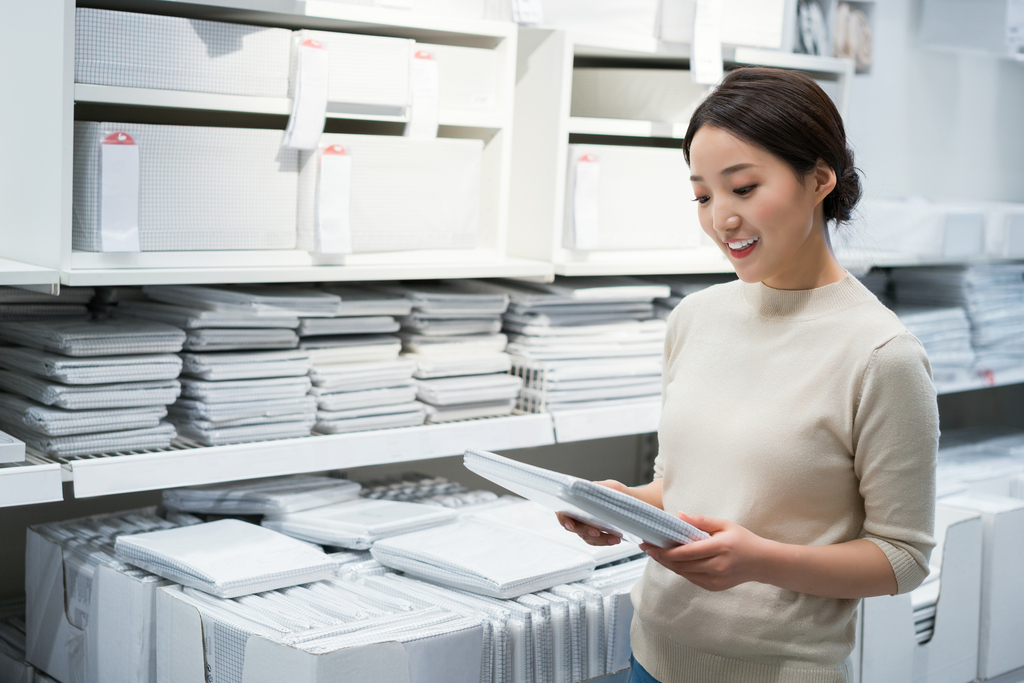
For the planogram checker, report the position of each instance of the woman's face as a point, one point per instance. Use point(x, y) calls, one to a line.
point(767, 220)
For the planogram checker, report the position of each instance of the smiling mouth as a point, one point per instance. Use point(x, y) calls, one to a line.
point(741, 248)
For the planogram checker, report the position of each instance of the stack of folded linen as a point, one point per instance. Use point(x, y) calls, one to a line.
point(261, 496)
point(412, 487)
point(585, 342)
point(22, 305)
point(237, 385)
point(993, 296)
point(358, 380)
point(682, 286)
point(973, 455)
point(82, 387)
point(454, 336)
point(945, 333)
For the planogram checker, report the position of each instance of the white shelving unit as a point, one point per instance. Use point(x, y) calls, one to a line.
point(44, 202)
point(544, 125)
point(31, 482)
point(15, 273)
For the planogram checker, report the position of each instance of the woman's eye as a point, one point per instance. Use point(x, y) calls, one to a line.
point(703, 199)
point(744, 190)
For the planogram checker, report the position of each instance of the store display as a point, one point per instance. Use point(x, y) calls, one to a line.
point(262, 496)
point(199, 188)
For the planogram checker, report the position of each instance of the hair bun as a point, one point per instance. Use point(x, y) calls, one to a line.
point(841, 201)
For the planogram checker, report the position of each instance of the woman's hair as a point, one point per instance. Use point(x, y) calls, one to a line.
point(788, 114)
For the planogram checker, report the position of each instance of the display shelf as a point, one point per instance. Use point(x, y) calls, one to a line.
point(188, 464)
point(17, 273)
point(643, 262)
point(983, 380)
point(601, 423)
point(31, 482)
point(626, 128)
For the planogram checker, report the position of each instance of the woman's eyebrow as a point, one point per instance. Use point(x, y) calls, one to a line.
point(726, 171)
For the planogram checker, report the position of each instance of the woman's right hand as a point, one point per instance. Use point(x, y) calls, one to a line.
point(589, 534)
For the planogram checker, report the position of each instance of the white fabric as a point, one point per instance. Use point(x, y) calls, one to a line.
point(262, 496)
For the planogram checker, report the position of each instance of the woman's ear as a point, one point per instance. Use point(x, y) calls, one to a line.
point(824, 179)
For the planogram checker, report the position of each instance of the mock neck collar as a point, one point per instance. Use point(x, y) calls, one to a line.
point(804, 304)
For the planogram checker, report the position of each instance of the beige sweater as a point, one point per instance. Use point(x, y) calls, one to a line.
point(808, 417)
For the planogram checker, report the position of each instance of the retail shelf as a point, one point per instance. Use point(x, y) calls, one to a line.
point(175, 99)
point(18, 273)
point(626, 128)
point(664, 262)
point(31, 482)
point(601, 423)
point(209, 267)
point(983, 380)
point(187, 464)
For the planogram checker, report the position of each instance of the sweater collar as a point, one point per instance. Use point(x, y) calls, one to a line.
point(805, 304)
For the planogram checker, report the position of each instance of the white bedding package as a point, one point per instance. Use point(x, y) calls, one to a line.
point(68, 296)
point(262, 496)
point(366, 300)
point(90, 370)
point(372, 324)
point(597, 505)
point(235, 339)
point(404, 194)
point(471, 555)
point(136, 50)
point(361, 376)
point(256, 300)
point(358, 524)
point(18, 313)
point(433, 365)
point(355, 348)
point(91, 396)
point(189, 317)
point(468, 389)
point(632, 202)
point(91, 443)
point(50, 421)
point(199, 188)
point(410, 414)
point(95, 338)
point(945, 333)
point(227, 558)
point(368, 398)
point(242, 390)
point(245, 365)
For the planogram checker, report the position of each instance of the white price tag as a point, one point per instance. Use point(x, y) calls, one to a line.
point(706, 50)
point(586, 227)
point(119, 193)
point(426, 99)
point(309, 103)
point(333, 233)
point(527, 12)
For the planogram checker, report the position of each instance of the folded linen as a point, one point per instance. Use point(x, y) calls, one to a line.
point(468, 389)
point(91, 396)
point(100, 370)
point(349, 400)
point(262, 496)
point(267, 430)
point(95, 338)
point(359, 376)
point(192, 317)
point(375, 324)
point(230, 365)
point(410, 418)
point(469, 411)
point(59, 422)
point(430, 366)
point(240, 390)
point(260, 300)
point(236, 339)
point(158, 437)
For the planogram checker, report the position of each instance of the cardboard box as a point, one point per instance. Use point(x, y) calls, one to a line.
point(113, 639)
point(890, 652)
point(1002, 586)
point(182, 655)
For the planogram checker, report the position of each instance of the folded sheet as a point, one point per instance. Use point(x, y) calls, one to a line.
point(468, 389)
point(410, 418)
point(359, 376)
point(190, 409)
point(260, 300)
point(18, 313)
point(50, 421)
point(233, 339)
point(193, 317)
point(469, 411)
point(157, 438)
point(222, 366)
point(368, 301)
point(91, 396)
point(95, 338)
point(241, 390)
point(217, 435)
point(348, 400)
point(421, 324)
point(68, 295)
point(453, 344)
point(262, 496)
point(374, 324)
point(430, 366)
point(99, 370)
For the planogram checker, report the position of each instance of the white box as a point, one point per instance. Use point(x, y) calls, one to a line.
point(1002, 585)
point(199, 188)
point(1004, 230)
point(117, 643)
point(663, 95)
point(11, 449)
point(752, 23)
point(942, 232)
point(469, 77)
point(621, 17)
point(366, 74)
point(890, 653)
point(172, 53)
point(181, 654)
point(405, 194)
point(642, 198)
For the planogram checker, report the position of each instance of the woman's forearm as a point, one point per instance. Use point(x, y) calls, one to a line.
point(648, 493)
point(856, 569)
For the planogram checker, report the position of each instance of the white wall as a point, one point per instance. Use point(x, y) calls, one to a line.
point(940, 125)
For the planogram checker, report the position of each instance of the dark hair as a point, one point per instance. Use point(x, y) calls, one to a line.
point(788, 114)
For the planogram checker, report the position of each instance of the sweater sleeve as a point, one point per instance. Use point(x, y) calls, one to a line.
point(896, 434)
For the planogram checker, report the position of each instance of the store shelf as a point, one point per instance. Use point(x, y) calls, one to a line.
point(626, 128)
point(663, 262)
point(601, 423)
point(18, 273)
point(213, 267)
point(29, 483)
point(187, 464)
point(984, 380)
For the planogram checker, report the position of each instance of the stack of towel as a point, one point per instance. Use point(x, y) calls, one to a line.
point(76, 387)
point(21, 305)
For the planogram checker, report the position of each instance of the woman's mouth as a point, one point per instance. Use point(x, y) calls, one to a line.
point(742, 248)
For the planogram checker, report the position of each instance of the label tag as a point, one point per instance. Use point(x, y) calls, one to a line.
point(309, 103)
point(527, 12)
point(333, 234)
point(586, 216)
point(119, 193)
point(706, 50)
point(426, 99)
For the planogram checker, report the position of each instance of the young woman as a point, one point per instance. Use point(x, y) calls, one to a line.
point(799, 424)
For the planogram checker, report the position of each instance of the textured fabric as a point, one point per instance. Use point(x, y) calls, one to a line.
point(199, 188)
point(158, 437)
point(97, 370)
point(808, 417)
point(95, 338)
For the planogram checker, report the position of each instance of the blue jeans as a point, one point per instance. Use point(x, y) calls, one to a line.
point(637, 674)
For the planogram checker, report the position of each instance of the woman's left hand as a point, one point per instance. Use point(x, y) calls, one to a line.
point(733, 555)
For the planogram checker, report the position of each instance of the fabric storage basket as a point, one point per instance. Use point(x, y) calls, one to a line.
point(366, 74)
point(663, 95)
point(405, 194)
point(172, 53)
point(641, 199)
point(634, 17)
point(469, 77)
point(199, 188)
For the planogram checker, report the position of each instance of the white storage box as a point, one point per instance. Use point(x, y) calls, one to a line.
point(469, 77)
point(919, 228)
point(199, 188)
point(1004, 231)
point(890, 651)
point(173, 53)
point(366, 74)
point(641, 200)
point(404, 194)
point(664, 95)
point(633, 17)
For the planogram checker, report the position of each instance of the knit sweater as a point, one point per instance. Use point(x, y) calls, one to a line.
point(808, 417)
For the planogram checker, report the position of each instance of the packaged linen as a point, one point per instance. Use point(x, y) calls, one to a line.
point(199, 188)
point(91, 396)
point(469, 411)
point(136, 50)
point(91, 370)
point(404, 194)
point(262, 496)
point(95, 338)
point(59, 422)
point(151, 438)
point(632, 202)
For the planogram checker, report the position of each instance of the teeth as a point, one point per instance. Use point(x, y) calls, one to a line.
point(738, 246)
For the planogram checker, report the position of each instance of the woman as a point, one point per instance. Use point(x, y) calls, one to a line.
point(799, 424)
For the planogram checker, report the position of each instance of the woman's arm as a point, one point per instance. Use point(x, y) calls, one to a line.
point(735, 555)
point(649, 493)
